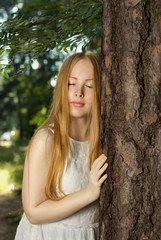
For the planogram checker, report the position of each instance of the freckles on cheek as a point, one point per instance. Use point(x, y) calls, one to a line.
point(70, 94)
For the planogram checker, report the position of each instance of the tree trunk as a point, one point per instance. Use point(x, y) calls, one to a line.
point(130, 202)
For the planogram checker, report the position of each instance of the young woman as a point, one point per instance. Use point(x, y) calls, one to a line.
point(63, 171)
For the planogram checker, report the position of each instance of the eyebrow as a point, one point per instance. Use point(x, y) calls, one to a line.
point(88, 79)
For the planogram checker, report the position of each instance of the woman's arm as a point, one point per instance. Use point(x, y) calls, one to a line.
point(36, 205)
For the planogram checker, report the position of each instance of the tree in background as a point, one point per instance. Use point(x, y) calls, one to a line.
point(131, 120)
point(25, 97)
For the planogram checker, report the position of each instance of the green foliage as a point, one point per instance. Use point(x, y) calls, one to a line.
point(44, 25)
point(39, 117)
point(32, 33)
point(26, 97)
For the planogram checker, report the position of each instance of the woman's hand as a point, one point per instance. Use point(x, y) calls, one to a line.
point(96, 178)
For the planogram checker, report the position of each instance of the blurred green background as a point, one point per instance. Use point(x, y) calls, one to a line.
point(36, 36)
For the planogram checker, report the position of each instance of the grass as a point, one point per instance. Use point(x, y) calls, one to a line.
point(11, 171)
point(11, 167)
point(13, 219)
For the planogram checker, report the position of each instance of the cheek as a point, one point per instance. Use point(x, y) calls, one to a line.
point(70, 93)
point(90, 96)
point(90, 99)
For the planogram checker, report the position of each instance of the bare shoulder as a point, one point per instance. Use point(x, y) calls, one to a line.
point(42, 144)
point(43, 137)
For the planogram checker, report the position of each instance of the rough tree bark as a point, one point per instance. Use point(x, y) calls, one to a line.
point(130, 202)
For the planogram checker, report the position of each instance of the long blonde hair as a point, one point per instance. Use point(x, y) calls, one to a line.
point(58, 119)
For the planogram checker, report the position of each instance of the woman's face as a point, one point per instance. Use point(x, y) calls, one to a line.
point(80, 89)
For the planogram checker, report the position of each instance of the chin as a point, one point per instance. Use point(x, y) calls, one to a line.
point(78, 115)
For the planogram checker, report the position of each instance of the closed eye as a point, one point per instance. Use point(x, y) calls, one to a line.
point(88, 86)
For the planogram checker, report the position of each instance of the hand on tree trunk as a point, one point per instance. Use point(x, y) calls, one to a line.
point(97, 177)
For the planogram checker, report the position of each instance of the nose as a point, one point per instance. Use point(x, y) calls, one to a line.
point(79, 92)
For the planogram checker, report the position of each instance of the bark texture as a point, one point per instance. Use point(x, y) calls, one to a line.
point(130, 202)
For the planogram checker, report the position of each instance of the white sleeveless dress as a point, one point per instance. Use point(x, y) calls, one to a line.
point(82, 225)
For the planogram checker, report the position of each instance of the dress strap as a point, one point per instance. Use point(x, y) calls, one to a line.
point(52, 130)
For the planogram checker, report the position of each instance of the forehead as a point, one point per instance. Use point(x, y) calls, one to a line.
point(83, 68)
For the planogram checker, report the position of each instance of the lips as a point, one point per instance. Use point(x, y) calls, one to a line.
point(77, 104)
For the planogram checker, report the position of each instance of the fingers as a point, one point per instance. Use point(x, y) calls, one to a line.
point(102, 179)
point(101, 171)
point(97, 176)
point(99, 167)
point(99, 162)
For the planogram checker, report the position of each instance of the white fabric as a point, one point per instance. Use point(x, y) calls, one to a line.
point(82, 225)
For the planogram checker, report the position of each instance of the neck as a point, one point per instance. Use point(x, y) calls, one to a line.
point(79, 129)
